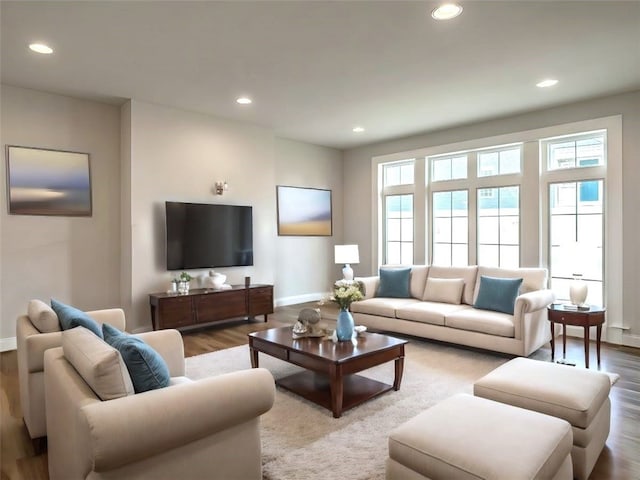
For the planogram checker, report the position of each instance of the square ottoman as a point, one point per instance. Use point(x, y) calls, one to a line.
point(467, 437)
point(578, 396)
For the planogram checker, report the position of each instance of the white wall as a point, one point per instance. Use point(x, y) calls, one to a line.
point(358, 169)
point(71, 259)
point(179, 155)
point(299, 276)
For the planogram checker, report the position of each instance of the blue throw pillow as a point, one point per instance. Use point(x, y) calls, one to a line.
point(394, 283)
point(147, 369)
point(71, 317)
point(498, 294)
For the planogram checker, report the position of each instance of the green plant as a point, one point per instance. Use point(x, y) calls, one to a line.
point(185, 277)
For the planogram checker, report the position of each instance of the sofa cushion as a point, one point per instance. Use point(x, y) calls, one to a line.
point(384, 307)
point(70, 317)
point(498, 294)
point(428, 312)
point(43, 317)
point(445, 290)
point(394, 283)
point(99, 364)
point(483, 321)
point(532, 278)
point(147, 368)
point(468, 274)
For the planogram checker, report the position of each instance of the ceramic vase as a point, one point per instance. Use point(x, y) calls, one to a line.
point(344, 325)
point(578, 290)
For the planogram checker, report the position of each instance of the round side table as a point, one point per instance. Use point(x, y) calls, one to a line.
point(593, 316)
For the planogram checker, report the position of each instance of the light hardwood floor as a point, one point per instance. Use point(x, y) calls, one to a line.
point(620, 459)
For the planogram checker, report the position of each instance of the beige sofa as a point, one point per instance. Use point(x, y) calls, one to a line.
point(190, 429)
point(458, 321)
point(36, 332)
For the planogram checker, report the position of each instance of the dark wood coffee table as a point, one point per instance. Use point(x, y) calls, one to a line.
point(330, 378)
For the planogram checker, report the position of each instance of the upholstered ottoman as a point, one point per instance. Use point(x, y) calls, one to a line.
point(467, 437)
point(579, 396)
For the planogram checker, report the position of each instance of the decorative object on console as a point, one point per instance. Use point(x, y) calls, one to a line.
point(346, 254)
point(48, 182)
point(304, 211)
point(215, 280)
point(183, 283)
point(221, 187)
point(578, 290)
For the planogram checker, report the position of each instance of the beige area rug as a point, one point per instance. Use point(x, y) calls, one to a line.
point(301, 440)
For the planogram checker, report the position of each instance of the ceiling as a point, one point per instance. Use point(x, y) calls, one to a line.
point(316, 69)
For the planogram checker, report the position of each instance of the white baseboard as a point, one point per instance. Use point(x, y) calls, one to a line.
point(631, 340)
point(7, 344)
point(296, 299)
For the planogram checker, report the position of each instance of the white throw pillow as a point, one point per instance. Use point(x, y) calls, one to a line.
point(444, 290)
point(98, 363)
point(43, 317)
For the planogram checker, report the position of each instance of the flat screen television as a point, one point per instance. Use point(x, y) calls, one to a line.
point(201, 235)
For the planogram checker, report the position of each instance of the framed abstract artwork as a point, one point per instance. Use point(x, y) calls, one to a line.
point(48, 182)
point(304, 211)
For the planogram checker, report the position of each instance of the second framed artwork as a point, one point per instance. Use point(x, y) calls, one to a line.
point(304, 211)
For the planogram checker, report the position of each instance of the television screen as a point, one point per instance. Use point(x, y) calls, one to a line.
point(203, 235)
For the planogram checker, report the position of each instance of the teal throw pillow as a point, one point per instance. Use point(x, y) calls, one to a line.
point(147, 369)
point(394, 283)
point(71, 317)
point(498, 294)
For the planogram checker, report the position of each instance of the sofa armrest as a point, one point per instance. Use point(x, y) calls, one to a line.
point(33, 347)
point(370, 285)
point(112, 316)
point(129, 429)
point(534, 301)
point(168, 343)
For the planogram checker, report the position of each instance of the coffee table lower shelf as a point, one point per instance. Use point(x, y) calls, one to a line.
point(316, 388)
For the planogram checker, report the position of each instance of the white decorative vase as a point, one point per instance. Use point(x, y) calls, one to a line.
point(578, 290)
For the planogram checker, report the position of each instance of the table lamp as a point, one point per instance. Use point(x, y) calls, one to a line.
point(347, 254)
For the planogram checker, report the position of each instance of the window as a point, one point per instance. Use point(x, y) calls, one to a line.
point(499, 227)
point(499, 162)
point(448, 168)
point(400, 173)
point(398, 229)
point(397, 212)
point(451, 228)
point(576, 231)
point(577, 151)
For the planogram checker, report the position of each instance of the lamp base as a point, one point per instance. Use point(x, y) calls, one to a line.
point(347, 272)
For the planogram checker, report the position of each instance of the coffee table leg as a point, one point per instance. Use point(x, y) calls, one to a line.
point(586, 347)
point(254, 357)
point(598, 338)
point(553, 341)
point(399, 369)
point(337, 390)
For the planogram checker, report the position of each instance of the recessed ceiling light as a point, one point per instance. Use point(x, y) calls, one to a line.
point(41, 48)
point(446, 11)
point(244, 100)
point(358, 129)
point(549, 82)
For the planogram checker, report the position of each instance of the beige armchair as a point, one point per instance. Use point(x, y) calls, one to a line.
point(190, 430)
point(31, 344)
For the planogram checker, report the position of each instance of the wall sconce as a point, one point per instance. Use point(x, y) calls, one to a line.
point(221, 187)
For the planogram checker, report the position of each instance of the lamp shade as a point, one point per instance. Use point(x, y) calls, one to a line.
point(346, 254)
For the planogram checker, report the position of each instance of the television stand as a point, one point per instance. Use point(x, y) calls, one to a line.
point(207, 305)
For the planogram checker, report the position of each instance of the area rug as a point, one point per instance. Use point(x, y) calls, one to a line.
point(302, 441)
